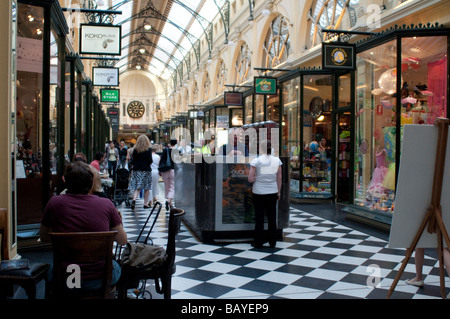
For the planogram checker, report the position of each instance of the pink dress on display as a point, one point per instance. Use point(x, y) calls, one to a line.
point(376, 184)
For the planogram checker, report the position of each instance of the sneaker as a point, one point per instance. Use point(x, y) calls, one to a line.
point(133, 204)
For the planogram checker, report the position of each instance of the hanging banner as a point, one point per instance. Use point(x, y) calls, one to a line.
point(341, 56)
point(100, 39)
point(105, 76)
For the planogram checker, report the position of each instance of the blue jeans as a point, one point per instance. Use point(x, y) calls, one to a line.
point(112, 165)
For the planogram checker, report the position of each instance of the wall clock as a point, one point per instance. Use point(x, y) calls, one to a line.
point(135, 109)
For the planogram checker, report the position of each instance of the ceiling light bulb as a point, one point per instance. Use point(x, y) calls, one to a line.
point(138, 67)
point(38, 31)
point(147, 27)
point(30, 18)
point(142, 51)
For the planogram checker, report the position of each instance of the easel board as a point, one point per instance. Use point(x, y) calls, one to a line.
point(415, 185)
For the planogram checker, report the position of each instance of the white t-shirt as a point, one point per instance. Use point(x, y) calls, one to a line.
point(156, 158)
point(266, 174)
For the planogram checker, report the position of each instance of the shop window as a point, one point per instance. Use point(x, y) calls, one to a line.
point(29, 92)
point(273, 108)
point(249, 109)
point(259, 108)
point(375, 133)
point(290, 91)
point(424, 79)
point(317, 136)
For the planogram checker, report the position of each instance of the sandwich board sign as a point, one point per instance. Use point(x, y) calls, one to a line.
point(415, 185)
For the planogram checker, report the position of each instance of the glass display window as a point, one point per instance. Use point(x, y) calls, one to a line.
point(317, 135)
point(375, 134)
point(290, 124)
point(422, 96)
point(248, 109)
point(259, 108)
point(424, 79)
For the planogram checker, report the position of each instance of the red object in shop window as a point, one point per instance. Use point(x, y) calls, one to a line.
point(379, 109)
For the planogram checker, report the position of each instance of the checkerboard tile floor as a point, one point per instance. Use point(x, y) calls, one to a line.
point(317, 259)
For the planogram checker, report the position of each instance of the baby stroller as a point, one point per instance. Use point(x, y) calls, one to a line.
point(121, 192)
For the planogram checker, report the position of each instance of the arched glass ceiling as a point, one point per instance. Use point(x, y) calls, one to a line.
point(181, 17)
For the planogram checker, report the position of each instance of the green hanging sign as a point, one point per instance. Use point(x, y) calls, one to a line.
point(109, 95)
point(265, 85)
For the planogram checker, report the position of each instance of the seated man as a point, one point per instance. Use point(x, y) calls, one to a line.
point(79, 211)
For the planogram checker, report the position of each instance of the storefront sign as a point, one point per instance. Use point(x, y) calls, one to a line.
point(265, 85)
point(105, 76)
point(100, 39)
point(341, 56)
point(233, 98)
point(113, 111)
point(109, 95)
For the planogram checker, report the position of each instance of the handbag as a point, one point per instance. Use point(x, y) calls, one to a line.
point(167, 164)
point(142, 256)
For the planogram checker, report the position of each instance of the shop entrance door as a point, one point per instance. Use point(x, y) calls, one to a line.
point(343, 131)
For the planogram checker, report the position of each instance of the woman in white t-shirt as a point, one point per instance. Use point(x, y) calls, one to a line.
point(265, 174)
point(155, 174)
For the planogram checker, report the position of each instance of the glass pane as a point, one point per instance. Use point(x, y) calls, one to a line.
point(273, 108)
point(55, 84)
point(424, 78)
point(290, 129)
point(317, 133)
point(375, 127)
point(259, 108)
point(68, 149)
point(249, 109)
point(28, 113)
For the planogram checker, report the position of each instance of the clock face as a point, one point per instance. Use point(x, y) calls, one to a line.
point(135, 109)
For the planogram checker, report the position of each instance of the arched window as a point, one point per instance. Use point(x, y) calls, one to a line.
point(243, 64)
point(206, 87)
point(277, 42)
point(221, 77)
point(330, 14)
point(195, 93)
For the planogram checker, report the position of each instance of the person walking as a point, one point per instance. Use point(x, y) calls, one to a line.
point(112, 155)
point(265, 174)
point(167, 170)
point(142, 171)
point(155, 175)
point(123, 152)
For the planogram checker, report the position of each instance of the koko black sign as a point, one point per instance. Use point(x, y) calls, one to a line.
point(340, 56)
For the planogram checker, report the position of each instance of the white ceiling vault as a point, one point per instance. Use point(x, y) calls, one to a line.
point(157, 35)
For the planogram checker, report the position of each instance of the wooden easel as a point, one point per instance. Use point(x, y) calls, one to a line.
point(433, 216)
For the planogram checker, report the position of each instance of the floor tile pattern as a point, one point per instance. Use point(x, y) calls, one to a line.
point(317, 259)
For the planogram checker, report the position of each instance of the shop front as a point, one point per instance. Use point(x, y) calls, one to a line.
point(401, 79)
point(342, 130)
point(316, 134)
point(41, 30)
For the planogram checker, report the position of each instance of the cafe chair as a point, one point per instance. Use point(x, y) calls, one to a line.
point(161, 274)
point(82, 249)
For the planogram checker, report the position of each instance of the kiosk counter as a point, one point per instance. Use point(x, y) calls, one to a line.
point(217, 199)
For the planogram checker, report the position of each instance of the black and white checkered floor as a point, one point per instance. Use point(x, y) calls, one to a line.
point(317, 259)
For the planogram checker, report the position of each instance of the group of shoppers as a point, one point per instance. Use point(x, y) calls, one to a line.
point(143, 162)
